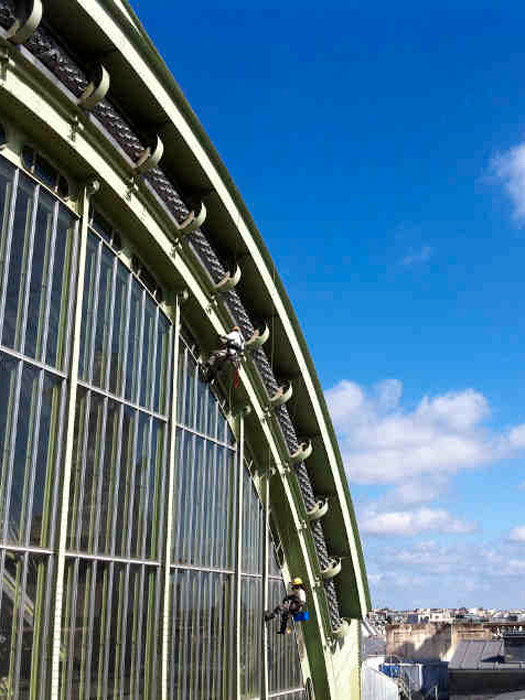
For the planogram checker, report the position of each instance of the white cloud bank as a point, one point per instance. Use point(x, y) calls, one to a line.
point(433, 574)
point(518, 534)
point(510, 168)
point(416, 450)
point(411, 523)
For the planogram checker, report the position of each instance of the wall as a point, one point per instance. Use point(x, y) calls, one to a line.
point(435, 640)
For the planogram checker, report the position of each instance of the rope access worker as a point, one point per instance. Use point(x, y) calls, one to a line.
point(232, 350)
point(292, 606)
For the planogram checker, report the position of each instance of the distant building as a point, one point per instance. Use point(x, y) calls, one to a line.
point(488, 668)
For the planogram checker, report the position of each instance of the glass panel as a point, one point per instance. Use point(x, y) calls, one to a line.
point(45, 172)
point(109, 631)
point(204, 502)
point(140, 479)
point(283, 661)
point(154, 510)
point(25, 624)
point(48, 462)
point(149, 350)
point(126, 470)
point(201, 636)
point(39, 273)
point(108, 484)
point(60, 303)
point(10, 373)
point(18, 263)
point(101, 226)
point(162, 380)
point(253, 528)
point(29, 436)
point(251, 637)
point(103, 321)
point(134, 341)
point(7, 172)
point(118, 341)
point(88, 307)
point(181, 383)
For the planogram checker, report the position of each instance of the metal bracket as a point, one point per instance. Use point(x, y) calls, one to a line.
point(259, 337)
point(301, 454)
point(96, 90)
point(193, 221)
point(332, 569)
point(281, 396)
point(150, 157)
point(26, 24)
point(318, 511)
point(228, 282)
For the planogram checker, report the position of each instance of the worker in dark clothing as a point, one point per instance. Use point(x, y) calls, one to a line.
point(233, 347)
point(292, 605)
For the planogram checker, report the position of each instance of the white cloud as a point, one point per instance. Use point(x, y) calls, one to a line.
point(411, 523)
point(383, 443)
point(454, 574)
point(510, 167)
point(517, 534)
point(414, 257)
point(517, 436)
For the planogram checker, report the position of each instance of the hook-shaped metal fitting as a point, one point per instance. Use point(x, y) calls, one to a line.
point(96, 90)
point(281, 396)
point(150, 157)
point(341, 631)
point(303, 452)
point(318, 511)
point(29, 15)
point(333, 568)
point(193, 221)
point(259, 337)
point(228, 282)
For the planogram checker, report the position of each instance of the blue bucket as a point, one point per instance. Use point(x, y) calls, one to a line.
point(302, 616)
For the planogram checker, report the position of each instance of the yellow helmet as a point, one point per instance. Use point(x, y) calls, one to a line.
point(297, 581)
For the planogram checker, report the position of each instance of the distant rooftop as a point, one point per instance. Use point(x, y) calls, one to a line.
point(483, 655)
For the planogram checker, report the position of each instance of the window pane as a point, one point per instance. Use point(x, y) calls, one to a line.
point(7, 172)
point(25, 623)
point(147, 378)
point(9, 403)
point(162, 380)
point(118, 340)
point(253, 528)
point(39, 271)
point(201, 657)
point(251, 637)
point(18, 262)
point(103, 318)
point(110, 631)
point(134, 340)
point(88, 307)
point(283, 663)
point(61, 289)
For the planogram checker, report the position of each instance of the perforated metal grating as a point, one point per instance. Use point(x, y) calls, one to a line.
point(43, 45)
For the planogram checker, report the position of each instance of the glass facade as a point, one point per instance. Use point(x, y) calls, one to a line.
point(115, 556)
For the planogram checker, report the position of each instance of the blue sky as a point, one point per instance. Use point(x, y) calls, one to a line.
point(378, 149)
